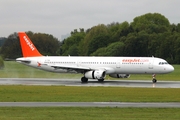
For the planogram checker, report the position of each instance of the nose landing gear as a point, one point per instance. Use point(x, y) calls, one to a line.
point(154, 78)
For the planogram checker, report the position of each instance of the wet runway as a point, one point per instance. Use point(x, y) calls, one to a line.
point(77, 82)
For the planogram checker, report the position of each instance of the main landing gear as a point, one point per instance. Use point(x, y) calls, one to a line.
point(101, 80)
point(84, 80)
point(154, 78)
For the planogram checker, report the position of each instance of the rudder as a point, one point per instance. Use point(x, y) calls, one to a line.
point(27, 47)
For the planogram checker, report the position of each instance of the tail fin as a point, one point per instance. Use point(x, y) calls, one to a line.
point(27, 47)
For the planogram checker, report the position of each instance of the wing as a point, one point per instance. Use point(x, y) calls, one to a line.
point(75, 68)
point(82, 69)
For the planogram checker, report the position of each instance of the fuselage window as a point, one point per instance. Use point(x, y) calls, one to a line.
point(162, 63)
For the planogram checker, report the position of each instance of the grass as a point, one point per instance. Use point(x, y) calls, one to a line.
point(16, 70)
point(86, 94)
point(70, 113)
point(21, 93)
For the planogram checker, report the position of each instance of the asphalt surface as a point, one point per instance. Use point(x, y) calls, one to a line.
point(89, 104)
point(77, 82)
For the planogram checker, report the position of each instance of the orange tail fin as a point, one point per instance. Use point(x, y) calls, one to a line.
point(27, 47)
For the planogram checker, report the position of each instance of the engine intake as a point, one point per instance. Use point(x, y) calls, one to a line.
point(96, 74)
point(120, 75)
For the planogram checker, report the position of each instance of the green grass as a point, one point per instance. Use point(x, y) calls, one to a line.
point(70, 113)
point(22, 93)
point(86, 94)
point(16, 70)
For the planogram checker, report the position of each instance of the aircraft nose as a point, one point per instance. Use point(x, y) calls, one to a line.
point(171, 68)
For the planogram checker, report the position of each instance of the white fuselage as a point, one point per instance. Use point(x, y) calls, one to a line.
point(112, 65)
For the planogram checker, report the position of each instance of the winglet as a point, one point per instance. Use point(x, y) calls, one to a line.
point(27, 47)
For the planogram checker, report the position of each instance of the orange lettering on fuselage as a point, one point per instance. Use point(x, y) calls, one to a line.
point(135, 60)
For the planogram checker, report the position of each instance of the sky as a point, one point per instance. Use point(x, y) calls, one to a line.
point(60, 17)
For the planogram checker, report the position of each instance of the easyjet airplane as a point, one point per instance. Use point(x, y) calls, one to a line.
point(91, 67)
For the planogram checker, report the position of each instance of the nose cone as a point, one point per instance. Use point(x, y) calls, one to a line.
point(170, 68)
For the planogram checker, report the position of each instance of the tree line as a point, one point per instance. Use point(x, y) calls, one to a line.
point(45, 43)
point(150, 34)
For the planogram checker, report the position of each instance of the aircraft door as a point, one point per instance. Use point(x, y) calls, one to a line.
point(151, 63)
point(79, 63)
point(118, 64)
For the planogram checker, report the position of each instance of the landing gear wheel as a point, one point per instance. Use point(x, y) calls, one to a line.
point(84, 80)
point(154, 80)
point(101, 80)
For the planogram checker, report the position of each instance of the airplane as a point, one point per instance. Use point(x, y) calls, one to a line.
point(91, 67)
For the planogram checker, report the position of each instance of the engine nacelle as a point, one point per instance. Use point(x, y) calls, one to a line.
point(96, 74)
point(120, 75)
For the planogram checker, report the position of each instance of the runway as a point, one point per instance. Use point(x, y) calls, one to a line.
point(90, 104)
point(77, 82)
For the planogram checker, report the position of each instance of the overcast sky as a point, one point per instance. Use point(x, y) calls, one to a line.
point(60, 17)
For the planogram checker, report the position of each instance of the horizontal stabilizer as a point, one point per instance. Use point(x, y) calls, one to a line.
point(23, 60)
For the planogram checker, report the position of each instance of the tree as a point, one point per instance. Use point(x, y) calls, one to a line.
point(151, 23)
point(154, 45)
point(11, 47)
point(118, 30)
point(114, 49)
point(98, 41)
point(175, 48)
point(136, 44)
point(131, 44)
point(2, 40)
point(92, 34)
point(45, 43)
point(70, 46)
point(1, 63)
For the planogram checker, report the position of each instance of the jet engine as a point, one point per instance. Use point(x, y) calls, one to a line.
point(120, 75)
point(96, 74)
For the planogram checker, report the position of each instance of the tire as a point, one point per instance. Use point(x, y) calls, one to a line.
point(154, 80)
point(84, 80)
point(101, 80)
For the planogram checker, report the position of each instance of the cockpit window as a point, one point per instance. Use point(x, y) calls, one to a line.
point(163, 63)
